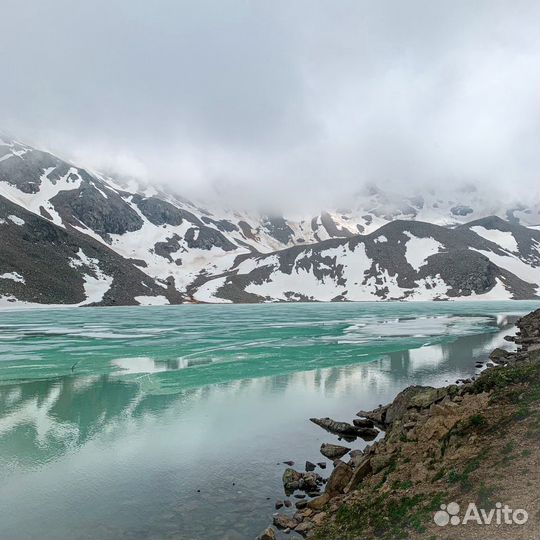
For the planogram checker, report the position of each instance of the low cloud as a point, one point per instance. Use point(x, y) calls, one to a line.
point(303, 102)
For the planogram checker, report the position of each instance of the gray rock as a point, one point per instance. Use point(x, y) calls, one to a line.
point(267, 534)
point(368, 434)
point(340, 477)
point(281, 521)
point(310, 481)
point(360, 472)
point(304, 527)
point(356, 457)
point(319, 502)
point(363, 423)
point(499, 353)
point(333, 451)
point(377, 416)
point(291, 479)
point(420, 397)
point(298, 516)
point(341, 428)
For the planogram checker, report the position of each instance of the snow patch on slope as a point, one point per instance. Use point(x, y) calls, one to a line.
point(47, 190)
point(504, 239)
point(95, 286)
point(207, 292)
point(14, 276)
point(417, 250)
point(152, 300)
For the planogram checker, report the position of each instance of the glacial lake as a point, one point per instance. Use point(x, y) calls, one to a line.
point(173, 422)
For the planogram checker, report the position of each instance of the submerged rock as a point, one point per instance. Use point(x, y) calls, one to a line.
point(310, 466)
point(308, 481)
point(291, 479)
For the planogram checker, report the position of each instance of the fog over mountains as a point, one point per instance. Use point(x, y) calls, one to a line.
point(74, 236)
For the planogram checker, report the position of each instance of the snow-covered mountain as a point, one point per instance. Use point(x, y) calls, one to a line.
point(74, 236)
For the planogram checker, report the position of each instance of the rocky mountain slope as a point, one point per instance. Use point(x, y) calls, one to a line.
point(74, 236)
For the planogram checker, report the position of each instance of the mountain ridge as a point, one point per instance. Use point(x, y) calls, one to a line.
point(145, 246)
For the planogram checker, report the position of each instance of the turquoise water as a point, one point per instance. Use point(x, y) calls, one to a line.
point(170, 422)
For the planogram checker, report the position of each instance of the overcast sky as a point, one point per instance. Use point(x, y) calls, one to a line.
point(309, 98)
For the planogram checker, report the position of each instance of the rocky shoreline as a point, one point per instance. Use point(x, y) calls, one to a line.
point(437, 445)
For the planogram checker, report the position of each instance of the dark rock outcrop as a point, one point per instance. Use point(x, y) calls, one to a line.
point(343, 428)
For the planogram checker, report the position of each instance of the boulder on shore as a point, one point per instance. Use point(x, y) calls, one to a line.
point(319, 502)
point(333, 451)
point(377, 416)
point(419, 397)
point(499, 354)
point(304, 528)
point(281, 521)
point(340, 477)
